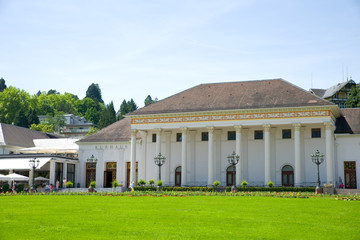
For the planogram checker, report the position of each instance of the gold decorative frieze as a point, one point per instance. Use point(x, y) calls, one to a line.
point(233, 117)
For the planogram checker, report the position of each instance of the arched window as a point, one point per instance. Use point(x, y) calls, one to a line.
point(287, 176)
point(230, 172)
point(178, 176)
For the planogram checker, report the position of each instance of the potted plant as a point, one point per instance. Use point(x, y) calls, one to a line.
point(151, 182)
point(69, 184)
point(244, 183)
point(92, 186)
point(270, 184)
point(114, 184)
point(159, 185)
point(216, 184)
point(142, 182)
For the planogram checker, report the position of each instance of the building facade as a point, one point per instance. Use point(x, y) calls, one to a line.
point(272, 125)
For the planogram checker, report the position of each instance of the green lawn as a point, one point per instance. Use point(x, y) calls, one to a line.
point(195, 217)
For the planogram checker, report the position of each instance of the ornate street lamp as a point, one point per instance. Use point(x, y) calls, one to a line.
point(159, 161)
point(33, 163)
point(93, 161)
point(233, 159)
point(317, 158)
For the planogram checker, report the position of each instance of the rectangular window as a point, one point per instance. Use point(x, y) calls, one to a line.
point(258, 134)
point(179, 137)
point(316, 132)
point(231, 135)
point(154, 137)
point(204, 136)
point(286, 133)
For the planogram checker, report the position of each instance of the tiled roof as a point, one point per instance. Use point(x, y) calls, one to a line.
point(116, 132)
point(18, 136)
point(318, 92)
point(350, 122)
point(274, 93)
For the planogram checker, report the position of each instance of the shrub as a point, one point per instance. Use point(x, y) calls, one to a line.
point(244, 183)
point(92, 184)
point(270, 184)
point(142, 182)
point(20, 187)
point(5, 187)
point(151, 182)
point(69, 184)
point(115, 184)
point(159, 183)
point(216, 183)
point(274, 189)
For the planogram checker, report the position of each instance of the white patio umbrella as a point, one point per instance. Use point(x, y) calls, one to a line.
point(15, 177)
point(41, 179)
point(2, 177)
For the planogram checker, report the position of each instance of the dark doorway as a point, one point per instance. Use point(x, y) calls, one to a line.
point(109, 174)
point(230, 172)
point(178, 176)
point(350, 174)
point(287, 176)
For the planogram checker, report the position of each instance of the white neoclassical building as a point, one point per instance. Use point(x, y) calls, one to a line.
point(272, 125)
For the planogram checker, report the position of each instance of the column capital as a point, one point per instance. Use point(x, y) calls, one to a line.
point(184, 130)
point(297, 126)
point(329, 126)
point(267, 127)
point(158, 131)
point(211, 130)
point(238, 128)
point(133, 132)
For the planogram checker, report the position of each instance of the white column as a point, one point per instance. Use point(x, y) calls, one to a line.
point(183, 157)
point(238, 151)
point(192, 163)
point(167, 164)
point(211, 156)
point(142, 164)
point(158, 141)
point(77, 174)
point(267, 154)
point(298, 166)
point(330, 166)
point(133, 157)
point(64, 172)
point(52, 173)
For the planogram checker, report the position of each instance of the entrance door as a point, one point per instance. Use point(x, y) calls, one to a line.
point(90, 173)
point(230, 175)
point(287, 176)
point(128, 174)
point(350, 174)
point(109, 174)
point(178, 176)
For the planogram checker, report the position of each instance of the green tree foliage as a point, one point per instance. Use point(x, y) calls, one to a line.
point(126, 107)
point(21, 119)
point(94, 92)
point(57, 122)
point(32, 117)
point(2, 85)
point(90, 109)
point(12, 100)
point(108, 116)
point(353, 100)
point(149, 100)
point(52, 91)
point(92, 131)
point(42, 127)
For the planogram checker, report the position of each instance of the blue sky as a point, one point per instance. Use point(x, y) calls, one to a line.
point(135, 48)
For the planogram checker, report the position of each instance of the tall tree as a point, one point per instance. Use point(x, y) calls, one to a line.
point(149, 100)
point(32, 117)
point(11, 101)
point(21, 119)
point(52, 91)
point(353, 100)
point(108, 116)
point(2, 85)
point(94, 92)
point(126, 107)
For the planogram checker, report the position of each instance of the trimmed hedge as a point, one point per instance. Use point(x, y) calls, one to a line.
point(273, 189)
point(228, 189)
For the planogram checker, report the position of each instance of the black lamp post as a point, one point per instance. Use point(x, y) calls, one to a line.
point(159, 161)
point(317, 158)
point(233, 159)
point(93, 161)
point(33, 163)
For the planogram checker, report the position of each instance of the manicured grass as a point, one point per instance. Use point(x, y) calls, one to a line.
point(195, 217)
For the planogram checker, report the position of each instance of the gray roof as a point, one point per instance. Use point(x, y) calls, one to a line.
point(275, 93)
point(318, 92)
point(18, 136)
point(334, 89)
point(116, 132)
